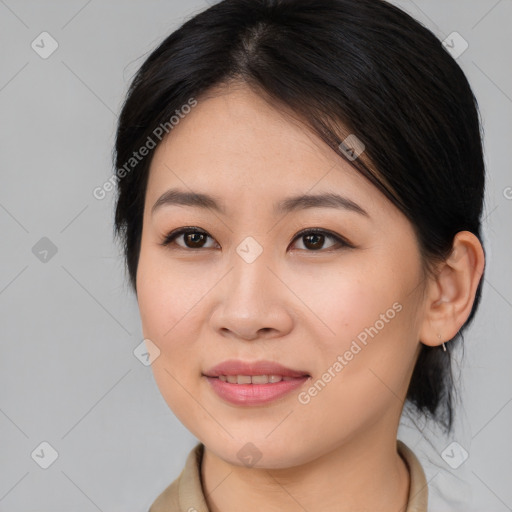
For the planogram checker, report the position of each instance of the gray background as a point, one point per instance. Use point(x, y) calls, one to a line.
point(69, 324)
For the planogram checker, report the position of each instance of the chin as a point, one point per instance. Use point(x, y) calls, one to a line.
point(257, 453)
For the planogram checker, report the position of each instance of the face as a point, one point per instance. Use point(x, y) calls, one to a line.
point(249, 281)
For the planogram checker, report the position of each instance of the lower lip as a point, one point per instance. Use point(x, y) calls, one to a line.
point(254, 394)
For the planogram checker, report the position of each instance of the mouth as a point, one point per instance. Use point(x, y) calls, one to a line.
point(254, 379)
point(257, 383)
point(239, 372)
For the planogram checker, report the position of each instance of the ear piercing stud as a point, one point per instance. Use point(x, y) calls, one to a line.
point(444, 347)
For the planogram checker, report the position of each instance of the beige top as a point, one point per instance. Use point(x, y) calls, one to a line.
point(185, 494)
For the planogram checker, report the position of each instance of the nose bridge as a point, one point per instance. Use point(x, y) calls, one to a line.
point(250, 275)
point(250, 299)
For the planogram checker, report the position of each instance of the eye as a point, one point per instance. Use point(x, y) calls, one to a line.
point(314, 239)
point(192, 237)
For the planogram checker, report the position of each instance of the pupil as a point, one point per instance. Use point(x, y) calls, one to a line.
point(316, 238)
point(195, 238)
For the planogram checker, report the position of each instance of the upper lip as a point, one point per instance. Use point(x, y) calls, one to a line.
point(236, 367)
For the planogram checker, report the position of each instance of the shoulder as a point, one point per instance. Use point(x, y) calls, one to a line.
point(185, 494)
point(418, 489)
point(168, 500)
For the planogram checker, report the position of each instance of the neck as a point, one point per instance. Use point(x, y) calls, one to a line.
point(366, 473)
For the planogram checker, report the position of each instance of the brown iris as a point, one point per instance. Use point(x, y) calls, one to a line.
point(314, 241)
point(194, 239)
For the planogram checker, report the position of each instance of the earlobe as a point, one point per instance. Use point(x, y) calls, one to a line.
point(451, 293)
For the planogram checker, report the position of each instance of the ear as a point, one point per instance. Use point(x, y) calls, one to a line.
point(451, 294)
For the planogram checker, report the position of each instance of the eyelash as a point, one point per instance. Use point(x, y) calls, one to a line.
point(340, 241)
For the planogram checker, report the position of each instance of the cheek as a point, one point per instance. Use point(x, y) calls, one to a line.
point(366, 314)
point(168, 306)
point(166, 295)
point(346, 301)
point(172, 302)
point(165, 311)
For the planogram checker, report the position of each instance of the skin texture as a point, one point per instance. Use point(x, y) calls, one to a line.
point(294, 305)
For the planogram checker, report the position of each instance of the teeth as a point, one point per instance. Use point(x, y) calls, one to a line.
point(253, 379)
point(260, 379)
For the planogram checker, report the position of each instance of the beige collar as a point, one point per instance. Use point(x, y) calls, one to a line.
point(185, 494)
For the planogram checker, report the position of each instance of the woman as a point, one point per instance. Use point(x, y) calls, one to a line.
point(300, 188)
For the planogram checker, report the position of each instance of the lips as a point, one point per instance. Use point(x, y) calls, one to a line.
point(236, 368)
point(254, 384)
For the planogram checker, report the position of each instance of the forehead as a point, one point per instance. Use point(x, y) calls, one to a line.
point(235, 145)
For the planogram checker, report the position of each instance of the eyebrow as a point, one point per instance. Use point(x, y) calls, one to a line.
point(205, 201)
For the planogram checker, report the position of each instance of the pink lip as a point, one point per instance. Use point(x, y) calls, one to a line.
point(235, 367)
point(253, 394)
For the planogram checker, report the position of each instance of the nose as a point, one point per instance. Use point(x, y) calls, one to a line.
point(251, 302)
